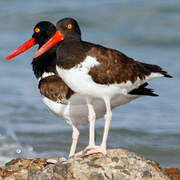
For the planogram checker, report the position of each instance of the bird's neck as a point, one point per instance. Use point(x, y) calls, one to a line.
point(70, 53)
point(45, 63)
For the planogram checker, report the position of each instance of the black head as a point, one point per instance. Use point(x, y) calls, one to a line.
point(43, 31)
point(69, 27)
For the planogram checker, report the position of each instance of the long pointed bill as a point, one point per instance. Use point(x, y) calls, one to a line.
point(21, 48)
point(51, 42)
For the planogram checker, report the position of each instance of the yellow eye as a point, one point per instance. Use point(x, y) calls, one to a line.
point(37, 30)
point(69, 26)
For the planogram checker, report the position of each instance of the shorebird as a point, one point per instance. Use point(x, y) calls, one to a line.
point(97, 72)
point(56, 95)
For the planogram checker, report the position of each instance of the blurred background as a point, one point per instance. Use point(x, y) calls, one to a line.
point(148, 31)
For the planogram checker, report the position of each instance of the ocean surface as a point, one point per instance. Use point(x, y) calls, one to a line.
point(148, 31)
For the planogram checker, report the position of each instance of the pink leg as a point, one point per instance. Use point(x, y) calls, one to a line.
point(92, 117)
point(83, 152)
point(75, 137)
point(91, 148)
point(107, 117)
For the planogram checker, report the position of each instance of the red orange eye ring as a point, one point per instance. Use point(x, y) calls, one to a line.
point(69, 26)
point(37, 30)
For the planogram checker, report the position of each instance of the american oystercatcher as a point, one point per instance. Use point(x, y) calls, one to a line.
point(56, 95)
point(96, 72)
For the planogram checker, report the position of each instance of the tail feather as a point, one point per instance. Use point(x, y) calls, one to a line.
point(156, 69)
point(142, 90)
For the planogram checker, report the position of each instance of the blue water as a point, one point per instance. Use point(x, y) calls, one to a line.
point(145, 30)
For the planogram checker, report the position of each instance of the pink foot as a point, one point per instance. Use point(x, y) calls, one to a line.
point(95, 149)
point(83, 152)
point(80, 153)
point(91, 150)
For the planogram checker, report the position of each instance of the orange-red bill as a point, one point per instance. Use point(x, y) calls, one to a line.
point(51, 42)
point(21, 49)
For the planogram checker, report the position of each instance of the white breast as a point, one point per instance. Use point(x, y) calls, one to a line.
point(78, 79)
point(81, 82)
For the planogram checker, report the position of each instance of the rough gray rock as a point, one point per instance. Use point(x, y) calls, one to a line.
point(118, 164)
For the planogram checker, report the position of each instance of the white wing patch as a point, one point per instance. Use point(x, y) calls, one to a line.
point(154, 75)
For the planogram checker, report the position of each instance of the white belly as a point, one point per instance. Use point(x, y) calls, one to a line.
point(71, 113)
point(76, 110)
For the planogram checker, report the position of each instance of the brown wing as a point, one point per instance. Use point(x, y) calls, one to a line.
point(54, 88)
point(115, 67)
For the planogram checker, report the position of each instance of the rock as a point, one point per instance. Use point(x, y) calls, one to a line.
point(118, 164)
point(173, 172)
